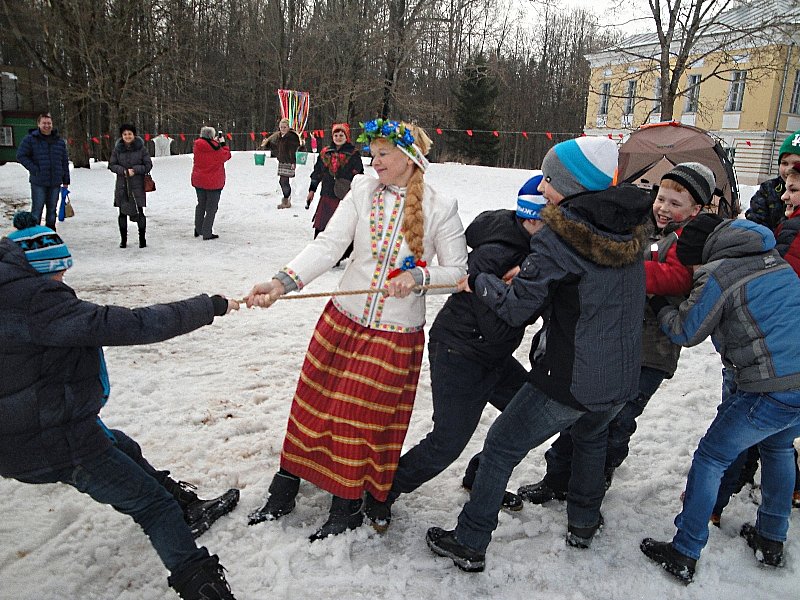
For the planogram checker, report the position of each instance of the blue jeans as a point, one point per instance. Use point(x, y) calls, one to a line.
point(743, 420)
point(205, 211)
point(620, 430)
point(461, 388)
point(529, 420)
point(41, 197)
point(116, 479)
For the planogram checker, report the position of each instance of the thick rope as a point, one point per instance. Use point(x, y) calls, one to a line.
point(416, 288)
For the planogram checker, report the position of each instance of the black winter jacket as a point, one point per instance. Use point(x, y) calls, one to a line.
point(499, 242)
point(587, 267)
point(51, 363)
point(335, 163)
point(134, 156)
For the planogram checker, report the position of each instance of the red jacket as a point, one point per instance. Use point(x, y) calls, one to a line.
point(670, 277)
point(208, 172)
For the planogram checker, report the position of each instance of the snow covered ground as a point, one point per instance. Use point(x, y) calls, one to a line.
point(212, 407)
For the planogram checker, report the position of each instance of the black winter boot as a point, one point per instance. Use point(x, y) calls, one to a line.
point(766, 551)
point(673, 562)
point(282, 492)
point(142, 229)
point(379, 513)
point(581, 537)
point(202, 581)
point(345, 514)
point(200, 514)
point(122, 220)
point(444, 543)
point(539, 493)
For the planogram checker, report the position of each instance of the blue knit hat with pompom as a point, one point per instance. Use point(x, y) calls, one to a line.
point(43, 247)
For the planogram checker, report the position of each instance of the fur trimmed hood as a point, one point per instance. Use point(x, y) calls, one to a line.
point(136, 144)
point(606, 227)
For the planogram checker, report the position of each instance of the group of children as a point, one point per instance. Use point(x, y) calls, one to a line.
point(571, 254)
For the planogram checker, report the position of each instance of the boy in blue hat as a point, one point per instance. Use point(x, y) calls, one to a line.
point(53, 383)
point(471, 353)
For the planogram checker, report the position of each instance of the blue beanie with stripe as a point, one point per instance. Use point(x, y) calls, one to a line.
point(584, 164)
point(43, 247)
point(530, 201)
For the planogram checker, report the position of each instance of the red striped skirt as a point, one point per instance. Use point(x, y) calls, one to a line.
point(352, 406)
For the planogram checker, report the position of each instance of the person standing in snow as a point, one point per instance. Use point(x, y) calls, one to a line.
point(283, 144)
point(208, 179)
point(747, 298)
point(44, 154)
point(353, 402)
point(53, 383)
point(130, 161)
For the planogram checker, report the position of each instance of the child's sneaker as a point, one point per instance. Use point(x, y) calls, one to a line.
point(766, 551)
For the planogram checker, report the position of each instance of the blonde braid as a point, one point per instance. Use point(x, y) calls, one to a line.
point(413, 217)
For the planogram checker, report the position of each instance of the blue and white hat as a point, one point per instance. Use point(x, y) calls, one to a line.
point(581, 164)
point(43, 247)
point(530, 201)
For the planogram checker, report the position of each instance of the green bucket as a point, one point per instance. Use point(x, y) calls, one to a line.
point(301, 157)
point(259, 158)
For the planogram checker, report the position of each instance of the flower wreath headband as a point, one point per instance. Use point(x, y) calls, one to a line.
point(397, 133)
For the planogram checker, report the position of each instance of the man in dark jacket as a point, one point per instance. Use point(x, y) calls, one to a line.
point(586, 267)
point(471, 353)
point(53, 383)
point(44, 154)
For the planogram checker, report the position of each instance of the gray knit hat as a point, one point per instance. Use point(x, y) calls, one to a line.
point(698, 180)
point(581, 164)
point(208, 132)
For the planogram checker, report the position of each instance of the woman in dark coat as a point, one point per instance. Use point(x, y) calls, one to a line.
point(130, 161)
point(284, 144)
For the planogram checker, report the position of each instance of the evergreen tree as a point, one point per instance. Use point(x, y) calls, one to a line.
point(475, 110)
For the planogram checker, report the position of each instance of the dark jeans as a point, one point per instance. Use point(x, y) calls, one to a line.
point(460, 388)
point(285, 187)
point(620, 430)
point(529, 420)
point(45, 197)
point(122, 478)
point(205, 211)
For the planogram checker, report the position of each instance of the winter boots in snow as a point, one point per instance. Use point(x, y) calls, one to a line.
point(200, 514)
point(378, 513)
point(581, 537)
point(122, 221)
point(142, 228)
point(539, 493)
point(285, 203)
point(202, 581)
point(444, 543)
point(766, 551)
point(673, 562)
point(511, 501)
point(282, 492)
point(344, 515)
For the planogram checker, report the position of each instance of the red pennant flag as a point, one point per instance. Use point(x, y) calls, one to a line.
point(549, 135)
point(69, 141)
point(305, 135)
point(583, 134)
point(95, 140)
point(146, 137)
point(496, 133)
point(229, 135)
point(182, 136)
point(748, 143)
point(253, 136)
point(611, 137)
point(469, 132)
point(263, 134)
point(439, 130)
point(525, 134)
point(105, 135)
point(621, 136)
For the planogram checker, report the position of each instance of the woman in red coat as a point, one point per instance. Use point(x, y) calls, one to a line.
point(208, 179)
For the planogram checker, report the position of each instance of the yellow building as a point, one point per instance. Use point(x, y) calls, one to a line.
point(746, 92)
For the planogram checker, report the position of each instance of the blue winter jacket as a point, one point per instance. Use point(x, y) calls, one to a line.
point(45, 157)
point(747, 298)
point(51, 367)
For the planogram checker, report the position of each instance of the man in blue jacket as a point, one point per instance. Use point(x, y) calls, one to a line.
point(586, 267)
point(44, 154)
point(53, 383)
point(747, 298)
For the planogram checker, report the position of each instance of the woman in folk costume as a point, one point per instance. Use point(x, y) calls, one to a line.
point(353, 402)
point(335, 168)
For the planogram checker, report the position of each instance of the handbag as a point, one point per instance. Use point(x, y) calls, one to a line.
point(149, 183)
point(68, 210)
point(286, 170)
point(341, 187)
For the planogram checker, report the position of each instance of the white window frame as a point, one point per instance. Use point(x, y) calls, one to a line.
point(630, 97)
point(692, 94)
point(736, 91)
point(605, 96)
point(794, 105)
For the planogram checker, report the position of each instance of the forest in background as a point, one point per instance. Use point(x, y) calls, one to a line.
point(174, 65)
